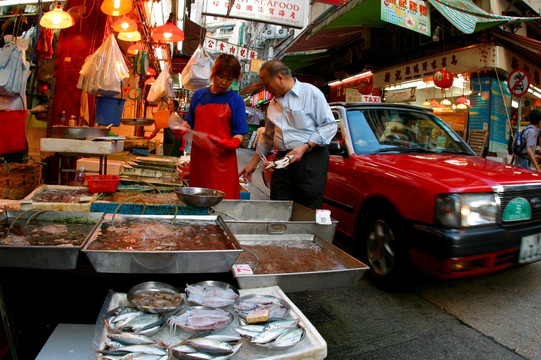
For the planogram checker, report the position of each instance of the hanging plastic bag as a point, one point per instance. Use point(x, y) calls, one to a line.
point(103, 72)
point(159, 88)
point(196, 74)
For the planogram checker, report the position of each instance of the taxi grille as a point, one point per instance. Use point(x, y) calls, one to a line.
point(532, 193)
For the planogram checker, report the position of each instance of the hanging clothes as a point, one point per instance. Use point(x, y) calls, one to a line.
point(44, 47)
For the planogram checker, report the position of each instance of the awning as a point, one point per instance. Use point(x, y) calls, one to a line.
point(468, 17)
point(339, 27)
point(528, 47)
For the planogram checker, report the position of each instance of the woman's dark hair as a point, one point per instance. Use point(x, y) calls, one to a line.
point(226, 64)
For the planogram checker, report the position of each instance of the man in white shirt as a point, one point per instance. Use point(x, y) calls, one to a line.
point(300, 124)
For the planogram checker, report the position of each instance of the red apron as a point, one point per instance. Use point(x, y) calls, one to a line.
point(210, 166)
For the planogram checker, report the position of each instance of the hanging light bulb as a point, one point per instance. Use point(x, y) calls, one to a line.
point(151, 72)
point(124, 24)
point(150, 80)
point(168, 32)
point(135, 48)
point(57, 18)
point(462, 107)
point(426, 103)
point(446, 102)
point(129, 36)
point(116, 7)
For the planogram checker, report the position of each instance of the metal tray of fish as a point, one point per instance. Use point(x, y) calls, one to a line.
point(311, 345)
point(271, 216)
point(295, 262)
point(214, 246)
point(69, 198)
point(43, 239)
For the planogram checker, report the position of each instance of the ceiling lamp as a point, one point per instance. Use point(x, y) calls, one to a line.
point(426, 103)
point(462, 100)
point(124, 24)
point(462, 107)
point(129, 36)
point(168, 32)
point(57, 18)
point(151, 72)
point(434, 103)
point(446, 102)
point(134, 49)
point(150, 80)
point(116, 7)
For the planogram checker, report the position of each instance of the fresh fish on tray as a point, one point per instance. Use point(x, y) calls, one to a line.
point(200, 318)
point(207, 347)
point(210, 295)
point(252, 303)
point(130, 319)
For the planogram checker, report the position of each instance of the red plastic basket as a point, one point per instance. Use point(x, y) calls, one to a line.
point(102, 183)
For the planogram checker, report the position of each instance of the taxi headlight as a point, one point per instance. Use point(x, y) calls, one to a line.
point(465, 210)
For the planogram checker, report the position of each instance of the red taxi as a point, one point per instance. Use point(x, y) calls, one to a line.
point(407, 190)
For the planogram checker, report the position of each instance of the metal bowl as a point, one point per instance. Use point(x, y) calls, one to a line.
point(259, 304)
point(111, 314)
point(199, 197)
point(213, 283)
point(192, 309)
point(155, 297)
point(77, 132)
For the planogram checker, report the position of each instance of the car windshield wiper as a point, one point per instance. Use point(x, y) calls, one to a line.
point(457, 152)
point(403, 150)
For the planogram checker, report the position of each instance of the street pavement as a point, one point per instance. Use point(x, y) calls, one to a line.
point(493, 317)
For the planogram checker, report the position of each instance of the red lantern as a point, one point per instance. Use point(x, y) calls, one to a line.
point(443, 79)
point(366, 86)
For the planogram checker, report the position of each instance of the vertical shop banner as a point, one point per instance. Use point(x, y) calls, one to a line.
point(281, 12)
point(409, 14)
point(499, 126)
point(480, 103)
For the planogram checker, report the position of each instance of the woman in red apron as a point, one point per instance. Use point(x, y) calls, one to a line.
point(217, 115)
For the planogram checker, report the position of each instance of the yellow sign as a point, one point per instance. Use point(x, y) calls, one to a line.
point(255, 65)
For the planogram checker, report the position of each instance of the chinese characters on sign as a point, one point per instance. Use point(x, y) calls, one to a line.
point(282, 12)
point(213, 46)
point(410, 14)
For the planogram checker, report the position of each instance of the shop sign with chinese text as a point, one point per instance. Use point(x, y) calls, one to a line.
point(409, 14)
point(281, 12)
point(401, 96)
point(213, 46)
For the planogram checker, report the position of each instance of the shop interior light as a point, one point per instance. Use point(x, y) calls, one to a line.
point(116, 7)
point(446, 102)
point(129, 36)
point(366, 73)
point(462, 100)
point(151, 72)
point(462, 107)
point(168, 32)
point(134, 49)
point(57, 18)
point(124, 24)
point(150, 80)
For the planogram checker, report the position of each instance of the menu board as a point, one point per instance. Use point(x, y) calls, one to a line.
point(410, 14)
point(480, 103)
point(499, 126)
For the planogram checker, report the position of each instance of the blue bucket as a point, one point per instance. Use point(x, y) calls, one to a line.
point(109, 110)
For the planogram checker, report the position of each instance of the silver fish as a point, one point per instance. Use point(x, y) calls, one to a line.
point(196, 355)
point(291, 336)
point(280, 324)
point(246, 333)
point(226, 338)
point(144, 322)
point(127, 338)
point(267, 336)
point(210, 346)
point(143, 349)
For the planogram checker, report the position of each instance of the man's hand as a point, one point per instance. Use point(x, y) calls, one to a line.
point(249, 169)
point(225, 144)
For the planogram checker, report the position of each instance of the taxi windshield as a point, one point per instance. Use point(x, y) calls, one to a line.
point(396, 130)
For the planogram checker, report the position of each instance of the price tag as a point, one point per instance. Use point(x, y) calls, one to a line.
point(242, 269)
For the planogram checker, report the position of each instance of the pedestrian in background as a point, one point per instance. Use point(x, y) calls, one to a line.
point(300, 124)
point(171, 145)
point(530, 135)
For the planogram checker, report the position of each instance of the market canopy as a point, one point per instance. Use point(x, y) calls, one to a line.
point(469, 18)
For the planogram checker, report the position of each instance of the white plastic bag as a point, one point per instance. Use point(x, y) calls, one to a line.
point(103, 72)
point(160, 88)
point(196, 74)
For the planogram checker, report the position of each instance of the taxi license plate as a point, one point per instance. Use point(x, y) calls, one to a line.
point(530, 248)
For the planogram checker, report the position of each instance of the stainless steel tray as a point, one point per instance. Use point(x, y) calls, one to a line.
point(346, 274)
point(45, 257)
point(28, 202)
point(278, 216)
point(177, 262)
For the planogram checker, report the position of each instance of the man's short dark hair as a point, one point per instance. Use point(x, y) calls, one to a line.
point(535, 116)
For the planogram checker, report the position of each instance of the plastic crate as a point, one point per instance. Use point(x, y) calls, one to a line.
point(102, 183)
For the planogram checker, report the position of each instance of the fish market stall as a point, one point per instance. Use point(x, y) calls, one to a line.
point(59, 198)
point(162, 244)
point(173, 333)
point(44, 239)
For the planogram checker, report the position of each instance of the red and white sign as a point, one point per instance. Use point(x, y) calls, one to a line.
point(518, 82)
point(213, 45)
point(281, 12)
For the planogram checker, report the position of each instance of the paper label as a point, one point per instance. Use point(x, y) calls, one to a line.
point(242, 269)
